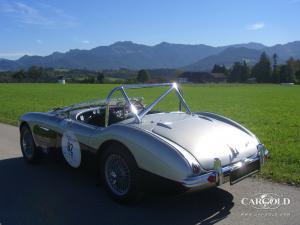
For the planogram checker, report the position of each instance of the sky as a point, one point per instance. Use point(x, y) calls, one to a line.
point(41, 27)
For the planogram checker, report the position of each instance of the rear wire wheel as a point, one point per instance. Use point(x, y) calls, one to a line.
point(120, 174)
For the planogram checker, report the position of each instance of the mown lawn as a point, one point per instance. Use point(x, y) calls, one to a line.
point(272, 112)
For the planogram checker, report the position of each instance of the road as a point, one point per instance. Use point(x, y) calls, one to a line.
point(52, 193)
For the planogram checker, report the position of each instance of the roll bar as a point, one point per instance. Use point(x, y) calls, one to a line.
point(140, 115)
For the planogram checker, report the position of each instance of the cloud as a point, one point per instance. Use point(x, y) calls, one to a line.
point(256, 26)
point(24, 14)
point(37, 14)
point(86, 42)
point(61, 15)
point(39, 41)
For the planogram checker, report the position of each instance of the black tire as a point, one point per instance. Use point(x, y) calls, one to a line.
point(28, 146)
point(124, 185)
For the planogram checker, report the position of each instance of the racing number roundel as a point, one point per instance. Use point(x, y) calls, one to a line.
point(71, 149)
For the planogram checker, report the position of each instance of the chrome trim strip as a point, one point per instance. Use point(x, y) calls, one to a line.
point(44, 128)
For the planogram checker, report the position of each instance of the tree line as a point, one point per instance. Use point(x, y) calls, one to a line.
point(264, 71)
point(35, 74)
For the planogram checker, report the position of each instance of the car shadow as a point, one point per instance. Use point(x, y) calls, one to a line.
point(52, 193)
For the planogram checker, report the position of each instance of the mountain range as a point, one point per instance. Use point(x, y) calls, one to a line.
point(127, 54)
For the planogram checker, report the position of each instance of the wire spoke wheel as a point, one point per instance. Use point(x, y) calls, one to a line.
point(117, 174)
point(28, 144)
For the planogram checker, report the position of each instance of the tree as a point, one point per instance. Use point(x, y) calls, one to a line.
point(275, 72)
point(235, 73)
point(297, 75)
point(239, 72)
point(286, 74)
point(34, 73)
point(262, 70)
point(245, 71)
point(143, 76)
point(100, 77)
point(274, 60)
point(218, 69)
point(293, 67)
point(19, 75)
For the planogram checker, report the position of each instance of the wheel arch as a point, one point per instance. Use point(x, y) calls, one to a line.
point(150, 152)
point(110, 142)
point(22, 124)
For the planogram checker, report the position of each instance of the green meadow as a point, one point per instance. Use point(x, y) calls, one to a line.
point(272, 112)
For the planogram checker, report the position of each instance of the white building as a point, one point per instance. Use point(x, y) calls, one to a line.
point(61, 80)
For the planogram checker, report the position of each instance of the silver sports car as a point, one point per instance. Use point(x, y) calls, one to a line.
point(136, 146)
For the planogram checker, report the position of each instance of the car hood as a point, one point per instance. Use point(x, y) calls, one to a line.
point(205, 137)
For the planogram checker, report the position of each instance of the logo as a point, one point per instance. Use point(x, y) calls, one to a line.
point(266, 201)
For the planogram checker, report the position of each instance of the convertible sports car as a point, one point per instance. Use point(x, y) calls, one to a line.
point(135, 145)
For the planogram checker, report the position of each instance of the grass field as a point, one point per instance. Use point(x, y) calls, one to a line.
point(272, 112)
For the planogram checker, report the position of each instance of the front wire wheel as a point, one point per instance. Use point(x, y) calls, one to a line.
point(28, 146)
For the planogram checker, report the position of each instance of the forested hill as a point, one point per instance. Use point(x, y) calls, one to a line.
point(130, 55)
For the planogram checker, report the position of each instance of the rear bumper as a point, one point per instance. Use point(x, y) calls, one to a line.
point(220, 175)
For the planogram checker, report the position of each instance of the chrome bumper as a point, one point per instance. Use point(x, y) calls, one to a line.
point(220, 175)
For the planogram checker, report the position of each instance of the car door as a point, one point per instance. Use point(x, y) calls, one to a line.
point(75, 141)
point(81, 130)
